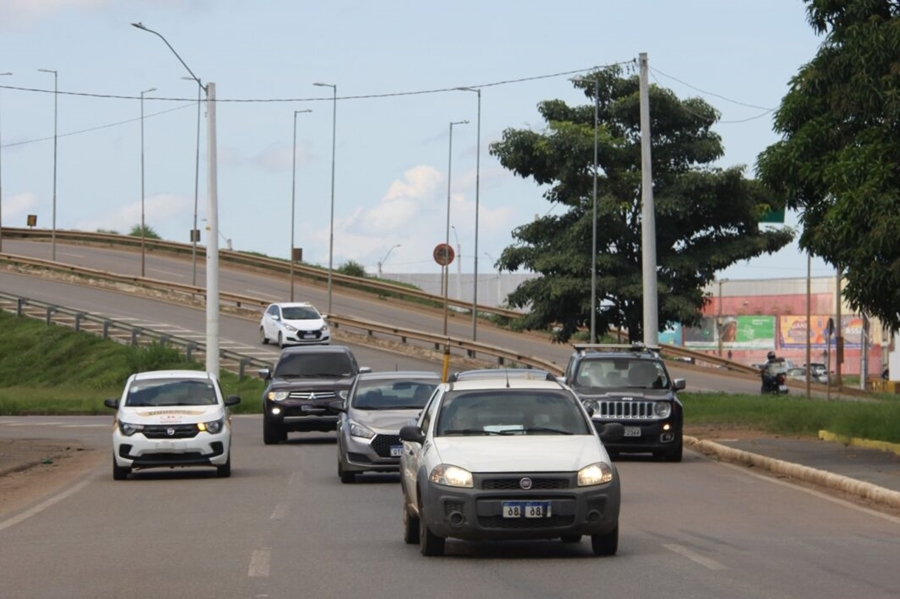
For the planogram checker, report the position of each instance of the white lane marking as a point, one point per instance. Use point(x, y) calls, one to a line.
point(696, 557)
point(168, 272)
point(104, 425)
point(32, 423)
point(280, 512)
point(259, 562)
point(42, 506)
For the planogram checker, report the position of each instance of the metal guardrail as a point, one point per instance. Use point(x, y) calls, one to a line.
point(257, 261)
point(123, 332)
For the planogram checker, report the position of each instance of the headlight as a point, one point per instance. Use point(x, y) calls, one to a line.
point(359, 430)
point(662, 409)
point(213, 428)
point(592, 404)
point(324, 328)
point(451, 476)
point(290, 328)
point(277, 395)
point(595, 474)
point(128, 429)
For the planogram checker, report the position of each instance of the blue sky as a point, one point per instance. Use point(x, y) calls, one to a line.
point(392, 153)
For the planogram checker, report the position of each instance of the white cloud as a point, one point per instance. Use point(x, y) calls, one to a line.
point(17, 207)
point(159, 213)
point(28, 12)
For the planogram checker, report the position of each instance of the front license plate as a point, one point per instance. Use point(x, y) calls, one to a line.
point(309, 408)
point(526, 509)
point(782, 388)
point(632, 431)
point(396, 451)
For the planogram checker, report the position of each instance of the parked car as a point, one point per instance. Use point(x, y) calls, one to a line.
point(296, 323)
point(368, 430)
point(630, 384)
point(301, 389)
point(169, 419)
point(819, 372)
point(505, 459)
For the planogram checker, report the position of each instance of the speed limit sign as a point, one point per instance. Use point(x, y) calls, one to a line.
point(443, 254)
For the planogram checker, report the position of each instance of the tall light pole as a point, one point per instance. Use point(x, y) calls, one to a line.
point(385, 257)
point(195, 234)
point(458, 264)
point(719, 330)
point(446, 267)
point(331, 225)
point(143, 226)
point(594, 217)
point(55, 138)
point(1, 180)
point(294, 195)
point(477, 189)
point(648, 214)
point(212, 218)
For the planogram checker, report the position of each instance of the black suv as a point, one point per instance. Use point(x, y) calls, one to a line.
point(305, 381)
point(629, 384)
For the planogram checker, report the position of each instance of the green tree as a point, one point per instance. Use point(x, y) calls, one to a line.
point(149, 233)
point(837, 161)
point(352, 268)
point(707, 218)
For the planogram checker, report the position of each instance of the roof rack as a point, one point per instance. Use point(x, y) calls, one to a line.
point(620, 347)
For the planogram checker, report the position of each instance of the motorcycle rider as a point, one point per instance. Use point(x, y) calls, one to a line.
point(769, 378)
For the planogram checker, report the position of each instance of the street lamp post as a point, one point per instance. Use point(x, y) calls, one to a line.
point(458, 265)
point(719, 330)
point(477, 186)
point(331, 225)
point(195, 234)
point(212, 246)
point(294, 196)
point(55, 138)
point(143, 226)
point(446, 267)
point(1, 181)
point(385, 257)
point(594, 216)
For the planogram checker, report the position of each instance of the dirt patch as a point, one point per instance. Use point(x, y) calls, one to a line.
point(32, 469)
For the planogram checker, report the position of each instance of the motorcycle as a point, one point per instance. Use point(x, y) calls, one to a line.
point(774, 378)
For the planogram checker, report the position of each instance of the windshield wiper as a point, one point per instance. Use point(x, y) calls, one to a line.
point(468, 431)
point(547, 429)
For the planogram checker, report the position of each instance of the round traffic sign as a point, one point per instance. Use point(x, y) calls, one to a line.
point(443, 254)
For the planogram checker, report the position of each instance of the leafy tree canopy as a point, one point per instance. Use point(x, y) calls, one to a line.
point(707, 218)
point(838, 161)
point(149, 233)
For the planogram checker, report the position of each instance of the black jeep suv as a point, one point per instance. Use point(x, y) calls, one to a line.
point(629, 384)
point(305, 381)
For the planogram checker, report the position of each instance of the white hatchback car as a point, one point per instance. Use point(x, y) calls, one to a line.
point(293, 323)
point(169, 419)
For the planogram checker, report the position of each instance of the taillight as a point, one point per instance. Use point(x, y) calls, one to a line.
point(780, 379)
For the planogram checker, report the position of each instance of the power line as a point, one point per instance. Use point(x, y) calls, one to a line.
point(711, 93)
point(766, 112)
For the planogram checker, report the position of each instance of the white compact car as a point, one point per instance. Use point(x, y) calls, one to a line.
point(295, 323)
point(169, 419)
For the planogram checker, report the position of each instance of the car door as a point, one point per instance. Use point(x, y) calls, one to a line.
point(270, 321)
point(412, 452)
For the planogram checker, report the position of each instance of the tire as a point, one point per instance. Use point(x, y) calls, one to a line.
point(120, 472)
point(262, 336)
point(606, 544)
point(348, 478)
point(272, 434)
point(410, 527)
point(280, 340)
point(570, 538)
point(224, 471)
point(430, 544)
point(674, 455)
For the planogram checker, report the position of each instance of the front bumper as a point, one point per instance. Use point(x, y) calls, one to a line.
point(307, 338)
point(204, 449)
point(652, 435)
point(477, 514)
point(303, 415)
point(381, 453)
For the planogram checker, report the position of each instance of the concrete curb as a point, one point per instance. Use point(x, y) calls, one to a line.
point(803, 473)
point(857, 442)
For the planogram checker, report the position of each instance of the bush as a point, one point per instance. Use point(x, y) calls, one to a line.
point(352, 269)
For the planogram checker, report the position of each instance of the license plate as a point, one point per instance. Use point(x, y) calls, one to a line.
point(632, 431)
point(396, 451)
point(309, 408)
point(526, 509)
point(782, 387)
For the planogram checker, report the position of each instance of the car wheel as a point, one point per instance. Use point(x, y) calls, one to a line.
point(606, 544)
point(410, 527)
point(674, 455)
point(272, 433)
point(224, 471)
point(120, 472)
point(262, 336)
point(280, 340)
point(430, 544)
point(570, 538)
point(346, 477)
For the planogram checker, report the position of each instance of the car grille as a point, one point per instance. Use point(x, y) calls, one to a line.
point(642, 410)
point(382, 444)
point(537, 484)
point(522, 523)
point(324, 394)
point(179, 431)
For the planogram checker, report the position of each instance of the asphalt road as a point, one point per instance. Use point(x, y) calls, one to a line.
point(284, 526)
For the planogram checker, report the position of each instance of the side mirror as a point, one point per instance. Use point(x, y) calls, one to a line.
point(111, 403)
point(612, 431)
point(265, 374)
point(363, 369)
point(680, 384)
point(232, 400)
point(414, 434)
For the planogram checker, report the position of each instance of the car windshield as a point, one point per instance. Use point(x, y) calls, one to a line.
point(510, 412)
point(393, 395)
point(300, 313)
point(619, 373)
point(170, 392)
point(324, 365)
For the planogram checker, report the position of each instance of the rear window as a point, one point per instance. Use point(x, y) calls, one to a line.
point(393, 395)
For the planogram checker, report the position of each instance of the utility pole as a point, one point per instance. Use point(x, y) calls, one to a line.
point(648, 215)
